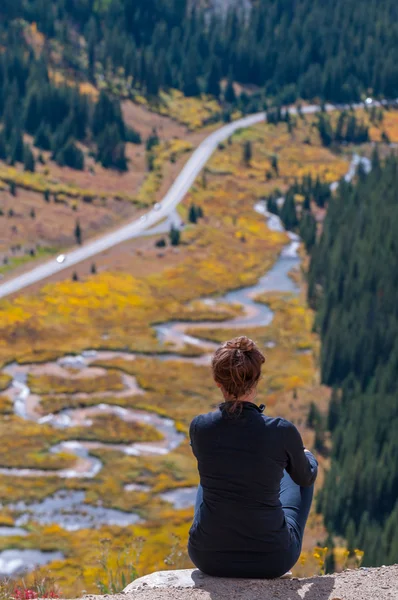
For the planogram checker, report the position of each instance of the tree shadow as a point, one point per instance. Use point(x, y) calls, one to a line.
point(222, 588)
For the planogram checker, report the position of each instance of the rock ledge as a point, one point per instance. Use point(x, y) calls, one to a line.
point(363, 584)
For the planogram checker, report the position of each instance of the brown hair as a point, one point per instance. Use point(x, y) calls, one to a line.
point(236, 366)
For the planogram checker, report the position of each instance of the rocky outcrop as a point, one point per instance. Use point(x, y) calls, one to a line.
point(361, 584)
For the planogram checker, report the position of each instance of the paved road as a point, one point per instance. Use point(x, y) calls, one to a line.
point(136, 228)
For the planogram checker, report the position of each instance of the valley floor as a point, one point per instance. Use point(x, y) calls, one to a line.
point(147, 362)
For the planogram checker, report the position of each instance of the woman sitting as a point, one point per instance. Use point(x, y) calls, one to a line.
point(256, 477)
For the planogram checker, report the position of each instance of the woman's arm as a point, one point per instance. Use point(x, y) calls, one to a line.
point(192, 428)
point(302, 465)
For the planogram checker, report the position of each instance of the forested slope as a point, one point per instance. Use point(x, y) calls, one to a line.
point(334, 49)
point(353, 281)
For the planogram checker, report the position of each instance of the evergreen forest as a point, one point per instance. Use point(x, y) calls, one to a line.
point(331, 50)
point(334, 49)
point(353, 283)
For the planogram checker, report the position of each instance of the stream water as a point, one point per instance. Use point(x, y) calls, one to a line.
point(15, 562)
point(68, 508)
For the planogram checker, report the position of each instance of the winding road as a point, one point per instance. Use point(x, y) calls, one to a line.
point(135, 228)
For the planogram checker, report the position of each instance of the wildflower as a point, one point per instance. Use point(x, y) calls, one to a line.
point(24, 594)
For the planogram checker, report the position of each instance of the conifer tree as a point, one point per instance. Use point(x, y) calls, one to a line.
point(174, 235)
point(78, 233)
point(275, 164)
point(111, 151)
point(71, 156)
point(28, 159)
point(3, 146)
point(16, 147)
point(229, 92)
point(288, 213)
point(192, 214)
point(247, 152)
point(213, 79)
point(43, 137)
point(308, 230)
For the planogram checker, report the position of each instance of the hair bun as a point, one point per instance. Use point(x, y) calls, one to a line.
point(242, 343)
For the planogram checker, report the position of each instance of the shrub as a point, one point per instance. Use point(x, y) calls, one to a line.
point(175, 236)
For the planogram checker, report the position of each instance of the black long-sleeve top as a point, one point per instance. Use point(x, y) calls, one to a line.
point(241, 461)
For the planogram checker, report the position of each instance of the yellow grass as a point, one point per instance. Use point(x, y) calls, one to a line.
point(51, 384)
point(110, 429)
point(192, 112)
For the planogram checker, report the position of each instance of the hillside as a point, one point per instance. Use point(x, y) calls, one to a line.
point(335, 50)
point(352, 282)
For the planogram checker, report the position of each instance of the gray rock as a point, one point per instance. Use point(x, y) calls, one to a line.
point(372, 584)
point(184, 578)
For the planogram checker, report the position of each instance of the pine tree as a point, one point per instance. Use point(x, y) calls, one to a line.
point(247, 152)
point(333, 414)
point(29, 160)
point(3, 146)
point(274, 164)
point(16, 147)
point(71, 156)
point(229, 92)
point(78, 233)
point(288, 213)
point(213, 79)
point(307, 202)
point(189, 79)
point(308, 230)
point(152, 140)
point(107, 115)
point(32, 115)
point(314, 416)
point(174, 235)
point(43, 137)
point(92, 40)
point(272, 206)
point(111, 150)
point(325, 129)
point(192, 214)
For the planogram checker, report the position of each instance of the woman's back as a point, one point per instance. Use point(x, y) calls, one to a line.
point(241, 459)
